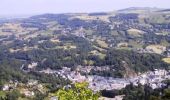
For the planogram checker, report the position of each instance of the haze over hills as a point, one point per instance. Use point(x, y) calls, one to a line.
point(109, 50)
point(10, 16)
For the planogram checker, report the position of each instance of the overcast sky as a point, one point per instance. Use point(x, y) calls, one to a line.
point(30, 7)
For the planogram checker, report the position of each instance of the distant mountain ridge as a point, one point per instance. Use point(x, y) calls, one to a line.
point(165, 10)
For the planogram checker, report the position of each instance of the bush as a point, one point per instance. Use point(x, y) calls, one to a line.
point(79, 91)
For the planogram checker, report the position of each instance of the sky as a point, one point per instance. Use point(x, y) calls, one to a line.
point(32, 7)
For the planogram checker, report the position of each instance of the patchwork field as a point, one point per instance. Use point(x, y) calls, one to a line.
point(135, 32)
point(159, 49)
point(167, 60)
point(102, 44)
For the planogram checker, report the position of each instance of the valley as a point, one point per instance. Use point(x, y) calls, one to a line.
point(108, 50)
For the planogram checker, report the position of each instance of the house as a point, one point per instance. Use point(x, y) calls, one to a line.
point(5, 88)
point(27, 93)
point(54, 98)
point(32, 65)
